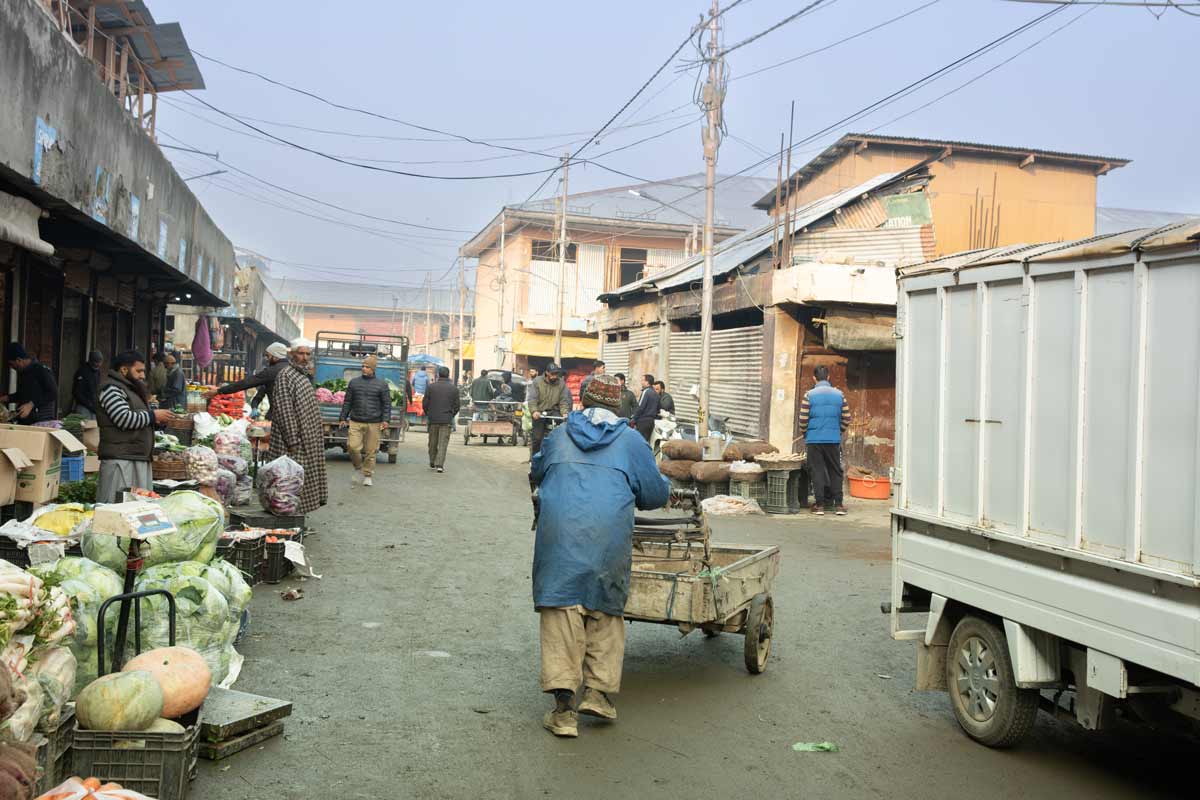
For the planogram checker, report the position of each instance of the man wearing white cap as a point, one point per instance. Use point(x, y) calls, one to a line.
point(263, 380)
point(296, 427)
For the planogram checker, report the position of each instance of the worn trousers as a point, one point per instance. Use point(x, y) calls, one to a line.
point(537, 435)
point(439, 440)
point(581, 648)
point(645, 427)
point(825, 468)
point(363, 444)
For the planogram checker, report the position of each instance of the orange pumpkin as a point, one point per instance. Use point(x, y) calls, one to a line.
point(181, 672)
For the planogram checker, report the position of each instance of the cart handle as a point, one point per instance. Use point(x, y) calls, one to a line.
point(136, 597)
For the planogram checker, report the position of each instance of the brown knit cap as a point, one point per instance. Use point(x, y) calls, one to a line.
point(603, 391)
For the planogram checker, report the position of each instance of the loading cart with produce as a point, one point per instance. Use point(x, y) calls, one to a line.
point(495, 419)
point(338, 359)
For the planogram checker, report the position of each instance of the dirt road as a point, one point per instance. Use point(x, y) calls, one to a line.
point(413, 668)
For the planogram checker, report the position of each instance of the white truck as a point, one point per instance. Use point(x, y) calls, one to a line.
point(1047, 514)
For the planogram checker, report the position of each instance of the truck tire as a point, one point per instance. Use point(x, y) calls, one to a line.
point(986, 701)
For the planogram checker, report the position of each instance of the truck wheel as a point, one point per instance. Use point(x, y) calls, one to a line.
point(760, 620)
point(986, 701)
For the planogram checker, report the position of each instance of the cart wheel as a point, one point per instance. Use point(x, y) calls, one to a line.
point(759, 622)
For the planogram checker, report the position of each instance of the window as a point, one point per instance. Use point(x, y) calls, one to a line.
point(633, 264)
point(544, 250)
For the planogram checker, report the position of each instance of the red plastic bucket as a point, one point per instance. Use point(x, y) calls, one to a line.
point(871, 487)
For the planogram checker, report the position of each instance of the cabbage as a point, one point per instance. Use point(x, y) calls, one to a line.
point(199, 521)
point(88, 585)
point(106, 549)
point(203, 618)
point(225, 578)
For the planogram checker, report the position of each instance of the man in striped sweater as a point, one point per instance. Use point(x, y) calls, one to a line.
point(126, 428)
point(824, 417)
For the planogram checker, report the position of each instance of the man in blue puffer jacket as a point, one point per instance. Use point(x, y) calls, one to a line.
point(824, 417)
point(591, 473)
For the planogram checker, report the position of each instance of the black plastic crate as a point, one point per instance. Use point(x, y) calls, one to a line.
point(277, 567)
point(247, 555)
point(54, 754)
point(10, 552)
point(159, 765)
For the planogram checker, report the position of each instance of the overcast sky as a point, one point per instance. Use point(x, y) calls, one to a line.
point(1112, 83)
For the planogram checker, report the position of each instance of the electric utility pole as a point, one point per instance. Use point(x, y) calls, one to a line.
point(428, 310)
point(713, 98)
point(462, 300)
point(562, 264)
point(500, 340)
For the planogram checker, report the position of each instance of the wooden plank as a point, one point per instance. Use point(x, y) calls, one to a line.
point(215, 751)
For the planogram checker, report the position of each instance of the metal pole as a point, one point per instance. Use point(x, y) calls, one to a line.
point(787, 198)
point(562, 264)
point(462, 300)
point(713, 98)
point(428, 310)
point(500, 358)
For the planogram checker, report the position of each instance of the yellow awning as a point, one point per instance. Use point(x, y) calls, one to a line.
point(529, 343)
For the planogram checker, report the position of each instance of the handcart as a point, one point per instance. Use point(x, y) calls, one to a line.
point(498, 419)
point(680, 578)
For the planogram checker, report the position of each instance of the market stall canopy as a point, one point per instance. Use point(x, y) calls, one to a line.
point(529, 343)
point(422, 358)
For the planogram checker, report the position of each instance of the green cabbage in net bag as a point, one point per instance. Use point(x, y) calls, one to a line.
point(203, 619)
point(105, 549)
point(199, 521)
point(87, 584)
point(225, 578)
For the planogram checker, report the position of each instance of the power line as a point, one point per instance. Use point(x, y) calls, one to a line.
point(791, 18)
point(832, 45)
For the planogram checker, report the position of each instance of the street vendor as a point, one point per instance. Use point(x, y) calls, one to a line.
point(547, 396)
point(262, 381)
point(591, 473)
point(37, 391)
point(366, 408)
point(296, 429)
point(126, 428)
point(173, 393)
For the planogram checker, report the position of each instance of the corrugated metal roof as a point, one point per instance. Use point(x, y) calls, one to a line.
point(1115, 220)
point(734, 252)
point(735, 199)
point(162, 49)
point(363, 295)
point(849, 140)
point(1142, 239)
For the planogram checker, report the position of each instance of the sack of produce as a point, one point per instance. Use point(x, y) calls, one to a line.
point(682, 450)
point(225, 484)
point(710, 471)
point(87, 585)
point(224, 576)
point(201, 464)
point(679, 470)
point(19, 764)
point(54, 670)
point(243, 492)
point(747, 451)
point(279, 486)
point(20, 726)
point(203, 618)
point(199, 521)
point(60, 519)
point(106, 549)
point(228, 442)
point(235, 464)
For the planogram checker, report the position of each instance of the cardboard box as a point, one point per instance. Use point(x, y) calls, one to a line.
point(133, 520)
point(38, 483)
point(91, 463)
point(12, 461)
point(90, 435)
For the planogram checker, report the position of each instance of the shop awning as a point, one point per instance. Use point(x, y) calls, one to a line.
point(19, 224)
point(529, 343)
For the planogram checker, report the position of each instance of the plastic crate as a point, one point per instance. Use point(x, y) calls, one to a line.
point(783, 491)
point(10, 552)
point(72, 468)
point(159, 765)
point(750, 490)
point(247, 556)
point(54, 754)
point(277, 567)
point(679, 483)
point(707, 489)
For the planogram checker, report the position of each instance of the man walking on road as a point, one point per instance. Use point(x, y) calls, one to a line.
point(546, 396)
point(367, 408)
point(647, 409)
point(441, 407)
point(824, 417)
point(296, 427)
point(591, 473)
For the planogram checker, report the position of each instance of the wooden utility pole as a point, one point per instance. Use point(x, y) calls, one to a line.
point(462, 301)
point(713, 98)
point(787, 197)
point(500, 358)
point(562, 264)
point(428, 310)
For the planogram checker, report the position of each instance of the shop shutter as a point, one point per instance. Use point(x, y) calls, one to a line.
point(543, 287)
point(590, 278)
point(736, 376)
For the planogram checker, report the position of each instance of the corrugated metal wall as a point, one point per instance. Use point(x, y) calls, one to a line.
point(590, 281)
point(659, 259)
point(892, 246)
point(615, 355)
point(736, 379)
point(543, 285)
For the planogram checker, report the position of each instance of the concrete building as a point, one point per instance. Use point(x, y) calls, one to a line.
point(816, 285)
point(615, 236)
point(98, 233)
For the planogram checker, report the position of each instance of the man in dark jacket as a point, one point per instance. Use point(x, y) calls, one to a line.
point(824, 417)
point(441, 407)
point(261, 381)
point(546, 396)
point(647, 409)
point(86, 386)
point(367, 408)
point(37, 391)
point(597, 369)
point(482, 390)
point(591, 473)
point(665, 401)
point(126, 428)
point(174, 393)
point(628, 400)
